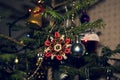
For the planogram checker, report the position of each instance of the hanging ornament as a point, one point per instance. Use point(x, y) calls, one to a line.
point(84, 17)
point(77, 48)
point(90, 40)
point(35, 17)
point(57, 47)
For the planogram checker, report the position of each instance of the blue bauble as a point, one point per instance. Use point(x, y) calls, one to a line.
point(77, 49)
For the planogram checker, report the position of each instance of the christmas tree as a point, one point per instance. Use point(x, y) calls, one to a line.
point(56, 46)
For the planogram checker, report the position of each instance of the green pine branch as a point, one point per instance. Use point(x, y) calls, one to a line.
point(81, 28)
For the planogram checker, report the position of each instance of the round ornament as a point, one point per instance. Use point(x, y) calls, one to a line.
point(57, 46)
point(90, 41)
point(84, 17)
point(77, 48)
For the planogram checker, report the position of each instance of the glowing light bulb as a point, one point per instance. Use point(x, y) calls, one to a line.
point(16, 60)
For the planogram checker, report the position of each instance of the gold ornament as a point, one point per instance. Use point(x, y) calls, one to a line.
point(36, 16)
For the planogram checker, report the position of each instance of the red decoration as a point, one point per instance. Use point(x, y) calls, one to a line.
point(47, 54)
point(40, 10)
point(67, 40)
point(67, 50)
point(57, 35)
point(57, 46)
point(47, 43)
point(59, 57)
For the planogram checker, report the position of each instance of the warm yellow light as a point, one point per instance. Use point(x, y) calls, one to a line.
point(16, 60)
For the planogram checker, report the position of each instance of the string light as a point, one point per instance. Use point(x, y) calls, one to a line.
point(21, 42)
point(73, 15)
point(28, 35)
point(39, 63)
point(29, 10)
point(16, 60)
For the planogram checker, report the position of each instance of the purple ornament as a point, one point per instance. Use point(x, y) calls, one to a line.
point(84, 17)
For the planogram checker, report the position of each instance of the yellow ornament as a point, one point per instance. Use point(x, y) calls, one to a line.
point(36, 16)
